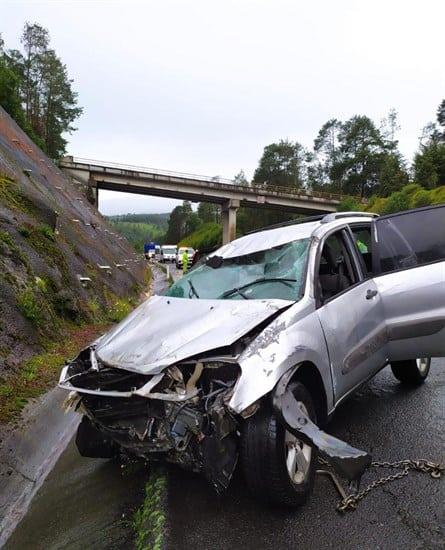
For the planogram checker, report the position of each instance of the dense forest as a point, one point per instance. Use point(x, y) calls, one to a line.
point(36, 91)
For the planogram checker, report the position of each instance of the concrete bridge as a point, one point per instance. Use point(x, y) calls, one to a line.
point(163, 183)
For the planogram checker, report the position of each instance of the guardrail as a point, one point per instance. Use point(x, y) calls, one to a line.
point(257, 188)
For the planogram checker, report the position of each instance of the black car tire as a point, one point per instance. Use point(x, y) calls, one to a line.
point(412, 372)
point(92, 443)
point(263, 456)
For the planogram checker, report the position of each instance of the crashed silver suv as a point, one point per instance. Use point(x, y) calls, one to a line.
point(249, 354)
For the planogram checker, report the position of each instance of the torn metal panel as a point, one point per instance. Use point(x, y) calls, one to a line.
point(181, 414)
point(291, 339)
point(219, 447)
point(348, 461)
point(165, 330)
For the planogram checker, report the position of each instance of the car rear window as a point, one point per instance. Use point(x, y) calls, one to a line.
point(410, 239)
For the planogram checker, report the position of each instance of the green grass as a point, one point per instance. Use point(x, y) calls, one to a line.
point(41, 372)
point(138, 233)
point(149, 519)
point(12, 197)
point(47, 232)
point(6, 238)
point(30, 306)
point(410, 196)
point(208, 235)
point(119, 310)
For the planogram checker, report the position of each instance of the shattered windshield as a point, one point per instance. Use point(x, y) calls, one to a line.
point(276, 273)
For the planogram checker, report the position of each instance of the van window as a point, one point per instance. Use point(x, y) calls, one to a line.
point(409, 239)
point(335, 271)
point(362, 239)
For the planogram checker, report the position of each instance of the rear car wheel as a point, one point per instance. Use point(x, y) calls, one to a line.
point(278, 467)
point(412, 372)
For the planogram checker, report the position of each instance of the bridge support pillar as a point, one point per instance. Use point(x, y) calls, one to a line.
point(228, 218)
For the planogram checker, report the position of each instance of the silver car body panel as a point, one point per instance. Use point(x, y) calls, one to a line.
point(293, 337)
point(414, 310)
point(164, 330)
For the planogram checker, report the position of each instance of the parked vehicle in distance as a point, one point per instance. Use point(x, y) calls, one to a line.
point(180, 254)
point(149, 250)
point(313, 309)
point(168, 253)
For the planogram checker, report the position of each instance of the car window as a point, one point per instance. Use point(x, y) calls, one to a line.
point(275, 273)
point(335, 272)
point(410, 239)
point(362, 239)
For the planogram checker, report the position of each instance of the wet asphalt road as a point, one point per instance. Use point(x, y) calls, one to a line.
point(390, 421)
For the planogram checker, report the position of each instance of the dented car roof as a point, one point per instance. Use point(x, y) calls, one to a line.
point(264, 240)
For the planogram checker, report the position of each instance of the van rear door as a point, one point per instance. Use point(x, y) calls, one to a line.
point(409, 271)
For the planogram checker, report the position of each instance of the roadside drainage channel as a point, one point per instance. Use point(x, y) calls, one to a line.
point(83, 503)
point(50, 497)
point(28, 453)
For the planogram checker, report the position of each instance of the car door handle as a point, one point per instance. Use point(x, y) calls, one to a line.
point(371, 293)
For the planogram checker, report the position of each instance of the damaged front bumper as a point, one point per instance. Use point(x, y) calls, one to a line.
point(179, 415)
point(182, 415)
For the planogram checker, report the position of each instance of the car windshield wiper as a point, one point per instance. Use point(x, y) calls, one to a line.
point(192, 289)
point(238, 290)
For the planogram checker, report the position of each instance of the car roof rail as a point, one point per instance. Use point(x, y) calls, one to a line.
point(296, 221)
point(338, 215)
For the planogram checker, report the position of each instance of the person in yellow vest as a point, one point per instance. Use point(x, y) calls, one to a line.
point(362, 246)
point(185, 260)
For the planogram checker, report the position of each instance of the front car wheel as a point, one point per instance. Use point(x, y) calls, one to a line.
point(279, 468)
point(412, 372)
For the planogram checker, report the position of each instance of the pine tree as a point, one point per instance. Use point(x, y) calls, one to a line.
point(38, 80)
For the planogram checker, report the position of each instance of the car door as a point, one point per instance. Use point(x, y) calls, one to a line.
point(409, 272)
point(351, 316)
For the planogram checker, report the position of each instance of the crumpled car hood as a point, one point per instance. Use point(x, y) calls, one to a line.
point(164, 330)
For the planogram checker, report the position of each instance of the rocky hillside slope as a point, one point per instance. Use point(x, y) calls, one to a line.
point(52, 246)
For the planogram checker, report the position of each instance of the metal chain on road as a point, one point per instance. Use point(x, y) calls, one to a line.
point(350, 502)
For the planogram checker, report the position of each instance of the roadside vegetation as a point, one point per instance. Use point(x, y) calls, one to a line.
point(149, 519)
point(208, 235)
point(41, 372)
point(138, 233)
point(36, 90)
point(409, 196)
point(52, 314)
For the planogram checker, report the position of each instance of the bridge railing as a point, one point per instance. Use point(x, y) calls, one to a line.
point(259, 188)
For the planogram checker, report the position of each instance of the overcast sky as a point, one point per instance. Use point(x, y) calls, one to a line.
point(202, 86)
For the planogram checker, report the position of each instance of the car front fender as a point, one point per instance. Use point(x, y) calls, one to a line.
point(294, 337)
